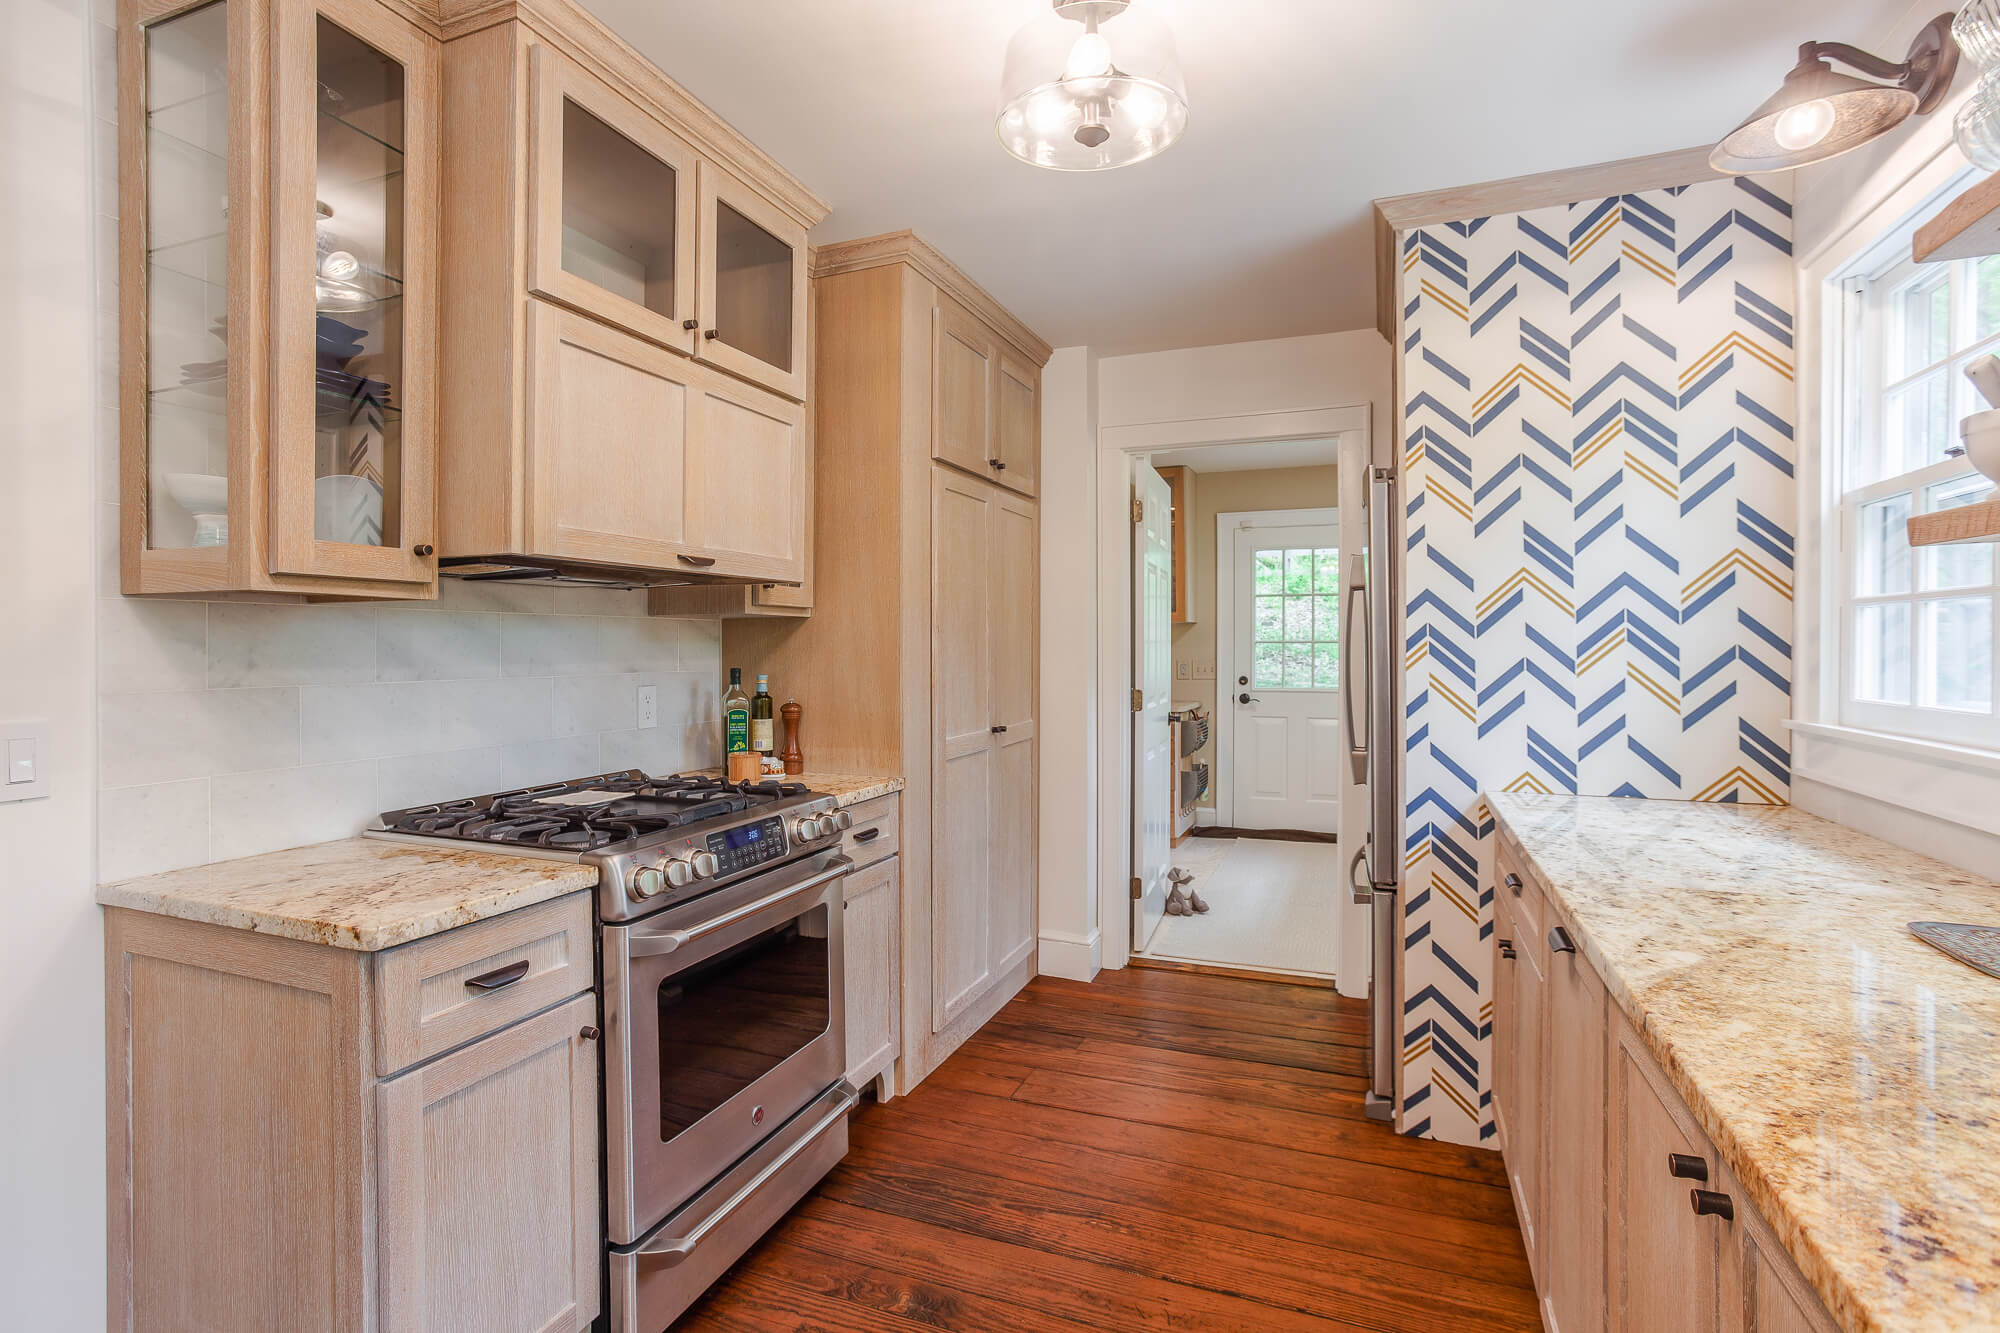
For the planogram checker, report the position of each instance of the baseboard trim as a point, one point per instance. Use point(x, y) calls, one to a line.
point(1237, 973)
point(1268, 834)
point(1072, 957)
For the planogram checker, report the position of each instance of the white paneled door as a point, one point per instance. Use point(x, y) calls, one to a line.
point(1152, 679)
point(1287, 758)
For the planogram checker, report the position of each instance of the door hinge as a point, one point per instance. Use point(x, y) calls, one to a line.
point(1138, 701)
point(1138, 510)
point(1138, 889)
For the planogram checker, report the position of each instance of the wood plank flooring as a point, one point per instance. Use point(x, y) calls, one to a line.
point(1155, 1150)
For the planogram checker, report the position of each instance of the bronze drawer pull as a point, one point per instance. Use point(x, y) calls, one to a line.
point(1506, 948)
point(499, 977)
point(868, 835)
point(1559, 941)
point(698, 561)
point(1711, 1203)
point(1686, 1166)
point(1514, 883)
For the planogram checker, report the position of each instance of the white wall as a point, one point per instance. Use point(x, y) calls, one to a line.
point(51, 951)
point(1932, 799)
point(1071, 936)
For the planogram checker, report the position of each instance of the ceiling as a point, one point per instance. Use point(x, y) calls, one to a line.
point(1250, 457)
point(1257, 224)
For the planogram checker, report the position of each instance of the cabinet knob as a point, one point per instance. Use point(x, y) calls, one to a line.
point(1514, 883)
point(998, 730)
point(711, 333)
point(998, 466)
point(690, 324)
point(1712, 1203)
point(1686, 1166)
point(590, 1034)
point(1506, 948)
point(423, 549)
point(1559, 941)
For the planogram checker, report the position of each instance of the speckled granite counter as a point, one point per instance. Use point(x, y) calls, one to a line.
point(1848, 1073)
point(846, 788)
point(359, 893)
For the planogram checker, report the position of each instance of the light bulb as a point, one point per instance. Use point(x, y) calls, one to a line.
point(1803, 125)
point(1090, 58)
point(1049, 112)
point(1146, 108)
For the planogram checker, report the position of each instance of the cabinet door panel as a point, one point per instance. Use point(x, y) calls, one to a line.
point(611, 204)
point(1530, 1132)
point(607, 443)
point(752, 285)
point(1012, 647)
point(1573, 1214)
point(354, 294)
point(962, 374)
point(870, 936)
point(1762, 1289)
point(748, 484)
point(963, 741)
point(1506, 1027)
point(488, 1183)
point(1663, 1270)
point(1017, 423)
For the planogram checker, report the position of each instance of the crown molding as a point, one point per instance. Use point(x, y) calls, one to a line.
point(906, 247)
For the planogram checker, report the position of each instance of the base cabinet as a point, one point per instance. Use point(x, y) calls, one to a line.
point(874, 904)
point(1631, 1220)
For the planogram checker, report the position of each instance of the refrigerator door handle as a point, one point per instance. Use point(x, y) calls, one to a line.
point(1359, 734)
point(1364, 885)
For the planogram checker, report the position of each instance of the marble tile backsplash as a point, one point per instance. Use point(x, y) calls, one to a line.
point(227, 729)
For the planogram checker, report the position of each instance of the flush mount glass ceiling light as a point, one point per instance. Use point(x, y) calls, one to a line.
point(1091, 84)
point(1819, 113)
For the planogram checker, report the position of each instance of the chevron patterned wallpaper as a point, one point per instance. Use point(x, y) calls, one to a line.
point(1598, 408)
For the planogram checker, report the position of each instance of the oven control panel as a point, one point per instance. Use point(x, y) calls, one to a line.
point(748, 846)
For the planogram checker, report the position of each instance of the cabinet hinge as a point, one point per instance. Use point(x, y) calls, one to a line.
point(1138, 510)
point(1138, 701)
point(1138, 890)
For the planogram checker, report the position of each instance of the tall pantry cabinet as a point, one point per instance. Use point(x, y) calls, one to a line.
point(919, 657)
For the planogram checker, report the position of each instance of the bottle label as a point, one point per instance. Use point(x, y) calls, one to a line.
point(760, 734)
point(736, 730)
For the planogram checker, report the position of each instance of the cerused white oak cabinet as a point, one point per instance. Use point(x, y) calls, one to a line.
point(1631, 1219)
point(919, 657)
point(873, 936)
point(309, 1137)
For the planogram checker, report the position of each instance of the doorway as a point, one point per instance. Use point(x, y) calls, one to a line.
point(1238, 758)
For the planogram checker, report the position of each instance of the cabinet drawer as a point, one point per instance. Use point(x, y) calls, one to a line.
point(442, 992)
point(877, 830)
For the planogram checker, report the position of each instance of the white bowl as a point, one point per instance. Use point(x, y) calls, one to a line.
point(198, 492)
point(1981, 433)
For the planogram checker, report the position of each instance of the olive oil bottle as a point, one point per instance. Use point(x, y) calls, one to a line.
point(735, 715)
point(761, 737)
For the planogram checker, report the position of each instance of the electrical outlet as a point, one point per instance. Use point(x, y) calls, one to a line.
point(649, 706)
point(1181, 670)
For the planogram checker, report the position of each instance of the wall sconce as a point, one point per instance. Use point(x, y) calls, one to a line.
point(1819, 114)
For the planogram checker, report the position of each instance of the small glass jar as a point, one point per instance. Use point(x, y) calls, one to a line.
point(1977, 124)
point(1977, 32)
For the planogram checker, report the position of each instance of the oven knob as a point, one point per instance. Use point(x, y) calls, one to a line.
point(647, 882)
point(679, 873)
point(806, 829)
point(842, 820)
point(705, 865)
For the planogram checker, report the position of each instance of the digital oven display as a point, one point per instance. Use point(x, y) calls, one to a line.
point(745, 837)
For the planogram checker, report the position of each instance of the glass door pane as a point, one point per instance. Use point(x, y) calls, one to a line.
point(187, 280)
point(358, 292)
point(617, 213)
point(753, 288)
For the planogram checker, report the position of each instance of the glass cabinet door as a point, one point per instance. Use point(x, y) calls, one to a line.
point(353, 336)
point(753, 285)
point(186, 403)
point(612, 206)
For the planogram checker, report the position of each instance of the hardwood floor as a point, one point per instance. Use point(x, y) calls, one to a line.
point(1156, 1150)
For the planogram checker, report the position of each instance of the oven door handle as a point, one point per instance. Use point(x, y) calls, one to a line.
point(654, 943)
point(671, 1252)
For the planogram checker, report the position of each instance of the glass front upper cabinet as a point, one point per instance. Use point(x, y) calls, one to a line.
point(278, 412)
point(753, 285)
point(612, 206)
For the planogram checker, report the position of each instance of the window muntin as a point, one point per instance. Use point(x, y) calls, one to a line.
point(1295, 620)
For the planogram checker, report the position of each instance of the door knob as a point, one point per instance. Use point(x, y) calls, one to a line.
point(690, 324)
point(1247, 698)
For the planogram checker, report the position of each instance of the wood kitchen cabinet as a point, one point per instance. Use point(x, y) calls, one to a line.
point(873, 936)
point(1665, 1260)
point(304, 1136)
point(279, 169)
point(918, 659)
point(625, 353)
point(1519, 1105)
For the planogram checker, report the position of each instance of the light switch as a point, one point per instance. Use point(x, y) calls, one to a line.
point(1181, 670)
point(25, 746)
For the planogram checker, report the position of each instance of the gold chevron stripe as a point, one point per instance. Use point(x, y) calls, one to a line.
point(1596, 234)
point(1600, 652)
point(1653, 687)
point(1647, 262)
point(1466, 909)
point(1735, 341)
point(1721, 567)
point(1517, 375)
point(1432, 290)
point(1458, 1099)
point(1422, 1048)
point(1454, 700)
point(1595, 445)
point(1532, 579)
point(1528, 782)
point(1736, 777)
point(1460, 507)
point(1423, 650)
point(1486, 1011)
point(1645, 470)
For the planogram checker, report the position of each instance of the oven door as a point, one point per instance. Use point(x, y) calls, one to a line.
point(722, 1019)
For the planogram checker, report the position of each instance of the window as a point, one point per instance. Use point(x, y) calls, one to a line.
point(1916, 625)
point(1295, 634)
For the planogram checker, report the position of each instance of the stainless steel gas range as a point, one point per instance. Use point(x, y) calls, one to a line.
point(719, 941)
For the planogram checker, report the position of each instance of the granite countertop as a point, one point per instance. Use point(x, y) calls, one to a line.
point(845, 788)
point(1847, 1072)
point(358, 893)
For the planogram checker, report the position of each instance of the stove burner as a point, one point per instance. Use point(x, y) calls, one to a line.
point(639, 806)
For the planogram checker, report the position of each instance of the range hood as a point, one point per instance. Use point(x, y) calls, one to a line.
point(543, 573)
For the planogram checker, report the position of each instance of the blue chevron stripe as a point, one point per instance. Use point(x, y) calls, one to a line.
point(1500, 270)
point(1445, 368)
point(1637, 539)
point(1487, 316)
point(1603, 701)
point(1546, 241)
point(1596, 321)
point(1763, 196)
point(1715, 701)
point(1653, 761)
point(1560, 454)
point(1715, 266)
point(1650, 338)
point(1764, 632)
point(1595, 285)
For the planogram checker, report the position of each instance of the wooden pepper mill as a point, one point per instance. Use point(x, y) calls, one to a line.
point(795, 759)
